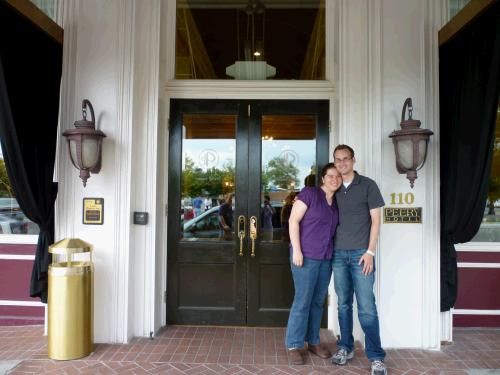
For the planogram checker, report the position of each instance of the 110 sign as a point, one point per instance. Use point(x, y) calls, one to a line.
point(398, 198)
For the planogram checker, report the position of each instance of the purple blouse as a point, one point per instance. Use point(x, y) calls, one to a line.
point(318, 225)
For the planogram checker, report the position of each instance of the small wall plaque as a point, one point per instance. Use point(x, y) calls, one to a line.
point(402, 215)
point(140, 218)
point(93, 211)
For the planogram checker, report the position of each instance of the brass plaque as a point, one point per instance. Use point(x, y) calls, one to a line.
point(93, 211)
point(403, 215)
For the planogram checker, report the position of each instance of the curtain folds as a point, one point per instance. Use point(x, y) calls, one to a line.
point(469, 93)
point(30, 75)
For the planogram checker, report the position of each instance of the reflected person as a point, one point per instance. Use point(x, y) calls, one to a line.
point(285, 215)
point(197, 203)
point(226, 217)
point(310, 180)
point(312, 224)
point(267, 214)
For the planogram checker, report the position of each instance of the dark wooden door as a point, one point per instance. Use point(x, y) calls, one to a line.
point(258, 152)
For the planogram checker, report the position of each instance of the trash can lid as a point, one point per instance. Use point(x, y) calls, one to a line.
point(70, 246)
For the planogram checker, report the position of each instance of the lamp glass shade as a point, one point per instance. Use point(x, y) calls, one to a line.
point(422, 150)
point(89, 152)
point(405, 152)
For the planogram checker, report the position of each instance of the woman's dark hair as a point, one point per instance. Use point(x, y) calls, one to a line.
point(325, 168)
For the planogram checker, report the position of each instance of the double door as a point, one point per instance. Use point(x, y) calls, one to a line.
point(234, 169)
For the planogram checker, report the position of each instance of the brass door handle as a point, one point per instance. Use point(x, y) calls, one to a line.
point(241, 231)
point(253, 233)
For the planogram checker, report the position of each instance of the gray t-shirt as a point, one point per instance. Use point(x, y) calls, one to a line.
point(355, 204)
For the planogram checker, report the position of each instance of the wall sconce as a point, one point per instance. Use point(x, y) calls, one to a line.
point(410, 144)
point(84, 144)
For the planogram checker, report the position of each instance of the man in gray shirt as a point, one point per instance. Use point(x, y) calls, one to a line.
point(359, 202)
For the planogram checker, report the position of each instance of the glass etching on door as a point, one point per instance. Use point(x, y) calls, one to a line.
point(207, 191)
point(288, 164)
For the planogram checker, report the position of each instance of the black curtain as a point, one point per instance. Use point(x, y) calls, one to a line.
point(469, 72)
point(30, 75)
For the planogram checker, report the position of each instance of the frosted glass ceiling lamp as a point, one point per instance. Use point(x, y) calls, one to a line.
point(253, 67)
point(410, 144)
point(250, 70)
point(84, 144)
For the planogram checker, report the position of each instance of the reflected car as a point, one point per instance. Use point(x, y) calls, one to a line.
point(13, 225)
point(13, 220)
point(206, 225)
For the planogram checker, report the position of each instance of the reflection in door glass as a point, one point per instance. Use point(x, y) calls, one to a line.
point(288, 164)
point(208, 161)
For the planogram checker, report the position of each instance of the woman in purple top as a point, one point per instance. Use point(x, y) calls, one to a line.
point(312, 225)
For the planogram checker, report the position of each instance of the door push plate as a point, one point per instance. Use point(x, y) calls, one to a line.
point(253, 227)
point(253, 233)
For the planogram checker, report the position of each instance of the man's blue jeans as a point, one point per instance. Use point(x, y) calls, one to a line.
point(349, 279)
point(311, 285)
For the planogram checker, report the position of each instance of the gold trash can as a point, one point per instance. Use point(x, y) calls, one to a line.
point(70, 301)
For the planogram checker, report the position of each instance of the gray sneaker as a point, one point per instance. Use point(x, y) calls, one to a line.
point(342, 356)
point(378, 368)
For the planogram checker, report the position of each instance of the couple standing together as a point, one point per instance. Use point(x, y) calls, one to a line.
point(335, 227)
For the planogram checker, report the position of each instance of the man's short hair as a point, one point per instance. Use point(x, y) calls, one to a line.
point(344, 147)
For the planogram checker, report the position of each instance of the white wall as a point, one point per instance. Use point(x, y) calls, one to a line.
point(387, 51)
point(97, 66)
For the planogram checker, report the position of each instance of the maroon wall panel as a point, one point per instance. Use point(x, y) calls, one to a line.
point(19, 249)
point(476, 320)
point(476, 257)
point(21, 315)
point(15, 275)
point(479, 288)
point(15, 278)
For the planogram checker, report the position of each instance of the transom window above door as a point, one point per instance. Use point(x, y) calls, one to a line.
point(250, 39)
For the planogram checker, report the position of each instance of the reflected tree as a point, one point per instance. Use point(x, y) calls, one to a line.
point(281, 173)
point(213, 182)
point(5, 188)
point(494, 188)
point(191, 184)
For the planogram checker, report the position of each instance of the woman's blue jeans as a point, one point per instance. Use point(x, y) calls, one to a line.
point(349, 279)
point(311, 285)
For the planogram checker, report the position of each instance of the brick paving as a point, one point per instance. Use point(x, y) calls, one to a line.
point(239, 350)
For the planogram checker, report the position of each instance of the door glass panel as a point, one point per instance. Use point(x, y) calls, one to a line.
point(250, 39)
point(288, 164)
point(207, 191)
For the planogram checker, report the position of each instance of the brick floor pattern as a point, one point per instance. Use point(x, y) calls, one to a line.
point(239, 350)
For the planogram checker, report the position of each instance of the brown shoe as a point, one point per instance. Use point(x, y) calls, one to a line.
point(295, 357)
point(320, 350)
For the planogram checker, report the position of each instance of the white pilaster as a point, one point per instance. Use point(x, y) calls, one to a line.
point(121, 305)
point(435, 16)
point(144, 164)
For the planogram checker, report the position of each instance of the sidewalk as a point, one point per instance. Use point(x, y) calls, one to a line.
point(234, 350)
